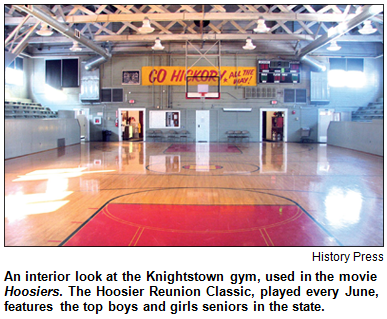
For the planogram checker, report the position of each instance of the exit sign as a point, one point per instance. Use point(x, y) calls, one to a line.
point(131, 101)
point(273, 102)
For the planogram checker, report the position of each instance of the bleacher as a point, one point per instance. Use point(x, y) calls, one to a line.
point(373, 111)
point(28, 110)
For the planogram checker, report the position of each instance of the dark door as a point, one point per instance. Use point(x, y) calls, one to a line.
point(141, 120)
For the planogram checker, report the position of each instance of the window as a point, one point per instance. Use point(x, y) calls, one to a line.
point(14, 72)
point(346, 64)
point(355, 65)
point(294, 95)
point(112, 95)
point(62, 73)
point(338, 64)
point(346, 73)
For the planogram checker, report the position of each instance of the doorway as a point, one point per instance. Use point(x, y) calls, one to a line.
point(131, 125)
point(202, 126)
point(82, 115)
point(325, 116)
point(273, 125)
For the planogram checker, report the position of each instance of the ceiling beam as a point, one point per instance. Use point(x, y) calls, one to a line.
point(180, 37)
point(63, 28)
point(14, 33)
point(212, 16)
point(190, 16)
point(17, 20)
point(334, 33)
point(206, 36)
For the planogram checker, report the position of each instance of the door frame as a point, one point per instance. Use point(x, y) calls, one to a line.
point(319, 136)
point(285, 136)
point(120, 121)
point(196, 128)
point(86, 112)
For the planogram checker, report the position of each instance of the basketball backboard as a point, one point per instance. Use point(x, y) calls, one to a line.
point(202, 87)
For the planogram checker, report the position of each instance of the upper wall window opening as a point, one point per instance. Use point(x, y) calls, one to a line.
point(14, 73)
point(346, 73)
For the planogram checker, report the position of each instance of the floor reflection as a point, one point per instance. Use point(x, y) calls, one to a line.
point(338, 191)
point(343, 207)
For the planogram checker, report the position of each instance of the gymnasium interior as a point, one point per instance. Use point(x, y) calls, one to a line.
point(193, 125)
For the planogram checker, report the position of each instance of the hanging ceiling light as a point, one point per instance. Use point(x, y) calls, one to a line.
point(367, 28)
point(261, 27)
point(45, 31)
point(249, 44)
point(146, 27)
point(157, 45)
point(76, 47)
point(333, 46)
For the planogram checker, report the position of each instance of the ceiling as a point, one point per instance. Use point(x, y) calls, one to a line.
point(293, 30)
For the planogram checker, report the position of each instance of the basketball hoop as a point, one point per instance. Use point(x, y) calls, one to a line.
point(202, 87)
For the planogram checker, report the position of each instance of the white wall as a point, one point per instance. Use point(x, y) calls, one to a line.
point(360, 136)
point(27, 136)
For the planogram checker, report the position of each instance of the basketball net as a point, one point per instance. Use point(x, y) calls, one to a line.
point(203, 96)
point(203, 90)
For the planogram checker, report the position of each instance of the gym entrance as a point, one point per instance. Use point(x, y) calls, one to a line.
point(131, 124)
point(273, 125)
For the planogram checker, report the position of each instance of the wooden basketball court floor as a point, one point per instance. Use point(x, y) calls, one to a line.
point(163, 194)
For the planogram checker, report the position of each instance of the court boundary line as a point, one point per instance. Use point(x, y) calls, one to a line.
point(170, 188)
point(258, 168)
point(213, 143)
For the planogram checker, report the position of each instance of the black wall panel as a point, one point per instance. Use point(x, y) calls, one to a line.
point(53, 73)
point(70, 73)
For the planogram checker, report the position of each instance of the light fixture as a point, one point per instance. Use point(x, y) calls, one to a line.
point(45, 31)
point(333, 46)
point(261, 27)
point(146, 27)
point(76, 47)
point(237, 109)
point(367, 28)
point(157, 45)
point(249, 44)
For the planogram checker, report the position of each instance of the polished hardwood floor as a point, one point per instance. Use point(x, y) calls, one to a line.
point(186, 194)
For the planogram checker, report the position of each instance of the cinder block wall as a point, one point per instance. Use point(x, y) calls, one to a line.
point(173, 97)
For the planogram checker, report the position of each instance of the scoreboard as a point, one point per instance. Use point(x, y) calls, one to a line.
point(278, 72)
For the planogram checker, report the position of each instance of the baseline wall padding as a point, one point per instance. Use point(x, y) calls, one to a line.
point(27, 136)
